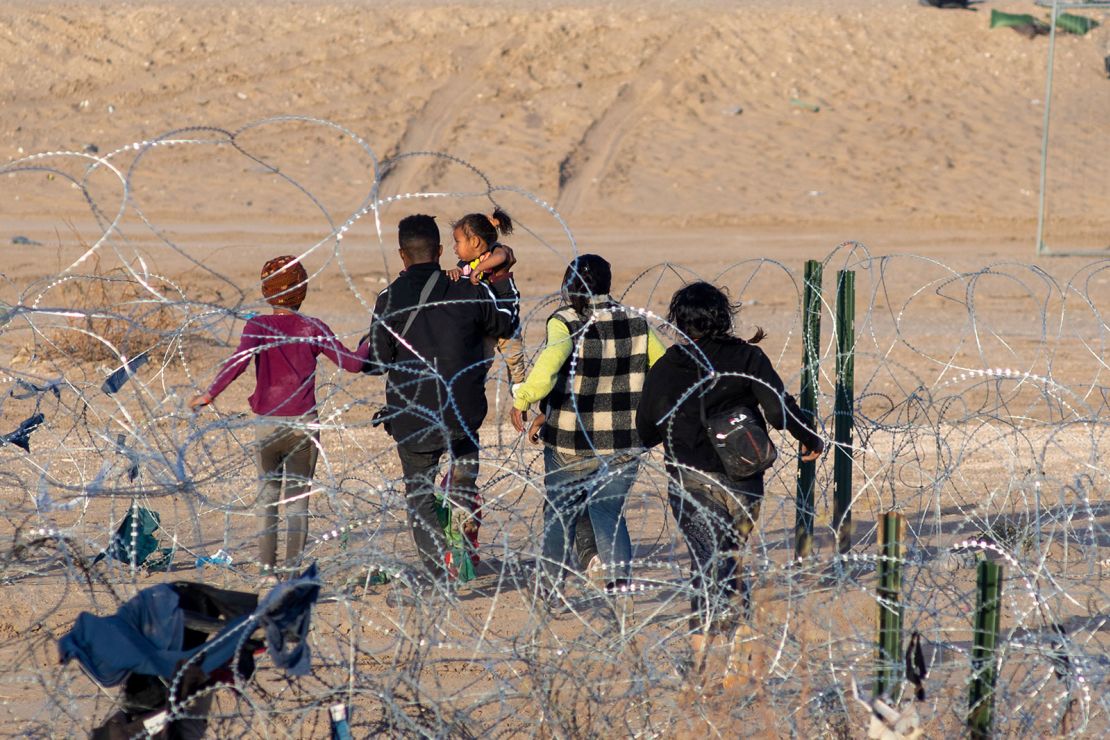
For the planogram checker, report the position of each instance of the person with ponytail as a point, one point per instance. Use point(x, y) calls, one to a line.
point(588, 380)
point(284, 346)
point(483, 258)
point(709, 371)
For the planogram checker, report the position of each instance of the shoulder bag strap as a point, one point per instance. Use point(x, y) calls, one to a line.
point(701, 401)
point(424, 294)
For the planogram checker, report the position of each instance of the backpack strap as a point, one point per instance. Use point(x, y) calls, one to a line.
point(716, 379)
point(704, 393)
point(425, 292)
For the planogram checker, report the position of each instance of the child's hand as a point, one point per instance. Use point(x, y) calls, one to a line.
point(454, 273)
point(197, 402)
point(534, 429)
point(519, 418)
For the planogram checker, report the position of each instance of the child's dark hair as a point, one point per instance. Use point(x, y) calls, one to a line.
point(588, 275)
point(701, 310)
point(486, 227)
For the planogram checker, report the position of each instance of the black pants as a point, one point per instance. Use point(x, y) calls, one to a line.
point(420, 467)
point(715, 520)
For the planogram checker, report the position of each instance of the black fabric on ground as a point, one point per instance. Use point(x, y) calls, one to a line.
point(117, 379)
point(947, 4)
point(21, 437)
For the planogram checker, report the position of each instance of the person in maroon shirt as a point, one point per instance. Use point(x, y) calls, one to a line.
point(284, 345)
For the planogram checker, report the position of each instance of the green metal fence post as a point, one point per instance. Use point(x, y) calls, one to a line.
point(843, 407)
point(888, 676)
point(811, 347)
point(984, 660)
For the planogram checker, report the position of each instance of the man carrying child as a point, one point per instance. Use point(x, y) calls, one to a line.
point(428, 337)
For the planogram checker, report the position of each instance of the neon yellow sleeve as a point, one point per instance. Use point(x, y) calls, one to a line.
point(655, 347)
point(545, 371)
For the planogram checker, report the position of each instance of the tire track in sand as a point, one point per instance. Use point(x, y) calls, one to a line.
point(426, 130)
point(585, 165)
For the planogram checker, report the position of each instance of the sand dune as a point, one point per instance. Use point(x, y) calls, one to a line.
point(668, 113)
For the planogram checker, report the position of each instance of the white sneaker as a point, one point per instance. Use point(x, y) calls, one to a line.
point(595, 572)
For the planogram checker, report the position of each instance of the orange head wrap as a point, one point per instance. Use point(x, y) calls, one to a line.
point(284, 282)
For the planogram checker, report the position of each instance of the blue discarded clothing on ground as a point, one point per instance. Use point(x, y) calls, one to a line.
point(130, 454)
point(285, 614)
point(146, 634)
point(30, 390)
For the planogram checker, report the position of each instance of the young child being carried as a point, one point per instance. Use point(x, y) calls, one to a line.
point(482, 258)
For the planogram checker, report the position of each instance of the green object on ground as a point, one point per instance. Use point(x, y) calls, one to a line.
point(984, 653)
point(807, 400)
point(1067, 22)
point(134, 540)
point(844, 407)
point(798, 103)
point(1007, 20)
point(888, 677)
point(1077, 24)
point(162, 559)
point(456, 544)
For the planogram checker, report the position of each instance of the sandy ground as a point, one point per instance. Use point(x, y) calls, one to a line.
point(661, 113)
point(730, 141)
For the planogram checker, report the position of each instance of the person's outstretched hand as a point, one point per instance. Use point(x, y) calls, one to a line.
point(534, 429)
point(454, 273)
point(200, 401)
point(809, 455)
point(518, 419)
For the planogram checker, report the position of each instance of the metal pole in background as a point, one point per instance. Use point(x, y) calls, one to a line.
point(811, 341)
point(888, 675)
point(984, 660)
point(843, 407)
point(1041, 249)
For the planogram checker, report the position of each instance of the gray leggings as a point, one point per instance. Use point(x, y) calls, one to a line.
point(286, 456)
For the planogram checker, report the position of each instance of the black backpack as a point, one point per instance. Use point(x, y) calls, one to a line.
point(740, 442)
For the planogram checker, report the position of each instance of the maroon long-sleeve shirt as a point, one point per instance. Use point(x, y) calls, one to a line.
point(284, 348)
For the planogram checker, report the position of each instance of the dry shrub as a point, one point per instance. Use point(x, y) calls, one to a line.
point(113, 309)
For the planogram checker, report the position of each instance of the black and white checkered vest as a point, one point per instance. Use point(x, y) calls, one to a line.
point(592, 408)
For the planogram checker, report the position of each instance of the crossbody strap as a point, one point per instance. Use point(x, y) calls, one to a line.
point(425, 292)
point(716, 378)
point(701, 404)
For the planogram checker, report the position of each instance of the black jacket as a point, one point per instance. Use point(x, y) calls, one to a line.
point(660, 417)
point(435, 387)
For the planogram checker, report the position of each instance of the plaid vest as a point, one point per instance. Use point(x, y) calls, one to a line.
point(592, 408)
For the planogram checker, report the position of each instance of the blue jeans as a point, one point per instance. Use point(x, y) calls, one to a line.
point(598, 486)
